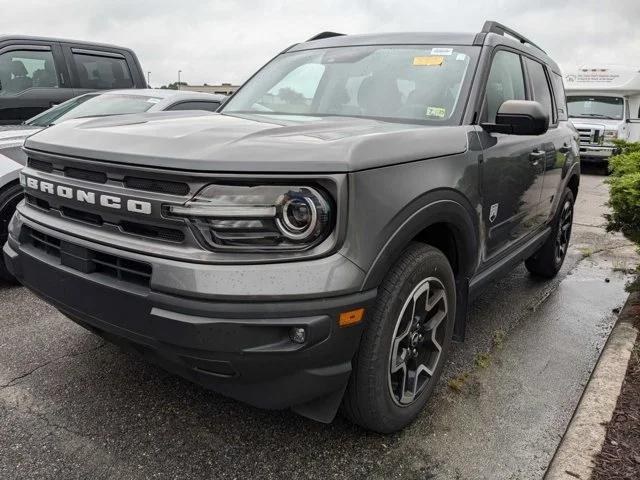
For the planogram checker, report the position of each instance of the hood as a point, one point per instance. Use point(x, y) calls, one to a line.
point(16, 134)
point(257, 143)
point(596, 123)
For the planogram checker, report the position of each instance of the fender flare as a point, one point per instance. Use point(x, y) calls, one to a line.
point(442, 206)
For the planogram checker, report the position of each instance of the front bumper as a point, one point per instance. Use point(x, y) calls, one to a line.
point(240, 348)
point(597, 153)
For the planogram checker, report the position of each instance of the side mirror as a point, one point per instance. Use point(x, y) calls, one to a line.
point(519, 117)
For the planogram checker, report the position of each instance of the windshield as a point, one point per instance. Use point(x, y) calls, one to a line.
point(407, 83)
point(94, 105)
point(611, 108)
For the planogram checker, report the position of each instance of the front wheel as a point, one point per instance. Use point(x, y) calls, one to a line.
point(405, 344)
point(546, 262)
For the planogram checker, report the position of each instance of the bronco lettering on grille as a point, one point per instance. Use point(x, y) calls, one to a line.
point(84, 196)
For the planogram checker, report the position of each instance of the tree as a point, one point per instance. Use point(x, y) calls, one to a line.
point(624, 191)
point(173, 86)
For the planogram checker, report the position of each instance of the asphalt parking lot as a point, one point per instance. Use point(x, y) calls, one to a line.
point(72, 406)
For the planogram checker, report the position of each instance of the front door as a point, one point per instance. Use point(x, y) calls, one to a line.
point(32, 79)
point(513, 165)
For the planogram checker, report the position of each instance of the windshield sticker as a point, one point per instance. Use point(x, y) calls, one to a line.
point(432, 61)
point(461, 56)
point(438, 112)
point(441, 51)
point(153, 100)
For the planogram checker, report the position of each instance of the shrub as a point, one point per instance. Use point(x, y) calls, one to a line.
point(624, 188)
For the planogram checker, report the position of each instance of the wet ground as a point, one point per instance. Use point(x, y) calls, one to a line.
point(72, 406)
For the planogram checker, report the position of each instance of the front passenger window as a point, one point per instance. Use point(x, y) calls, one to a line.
point(506, 82)
point(24, 69)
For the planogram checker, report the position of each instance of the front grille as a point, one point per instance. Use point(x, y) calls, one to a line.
point(40, 165)
point(88, 175)
point(589, 136)
point(137, 183)
point(159, 186)
point(38, 202)
point(81, 215)
point(161, 233)
point(132, 228)
point(89, 261)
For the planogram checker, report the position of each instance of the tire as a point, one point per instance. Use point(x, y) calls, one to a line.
point(376, 398)
point(548, 260)
point(9, 198)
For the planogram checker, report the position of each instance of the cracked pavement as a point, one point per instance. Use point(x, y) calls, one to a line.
point(72, 406)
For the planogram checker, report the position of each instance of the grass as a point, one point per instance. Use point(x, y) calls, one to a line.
point(498, 338)
point(586, 252)
point(458, 382)
point(483, 360)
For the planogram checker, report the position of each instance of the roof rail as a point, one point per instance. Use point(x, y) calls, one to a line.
point(322, 35)
point(498, 28)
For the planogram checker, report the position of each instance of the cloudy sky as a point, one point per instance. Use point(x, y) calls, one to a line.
point(225, 41)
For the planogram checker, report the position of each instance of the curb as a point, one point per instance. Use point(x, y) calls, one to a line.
point(587, 429)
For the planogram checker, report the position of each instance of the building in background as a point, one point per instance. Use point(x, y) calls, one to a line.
point(224, 88)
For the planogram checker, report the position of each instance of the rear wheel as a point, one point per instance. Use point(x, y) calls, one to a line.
point(405, 344)
point(546, 262)
point(9, 199)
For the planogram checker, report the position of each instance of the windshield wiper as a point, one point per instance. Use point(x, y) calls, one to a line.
point(597, 115)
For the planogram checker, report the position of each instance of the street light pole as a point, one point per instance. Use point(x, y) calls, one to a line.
point(179, 72)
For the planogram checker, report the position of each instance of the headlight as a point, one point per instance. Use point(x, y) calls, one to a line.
point(259, 217)
point(610, 135)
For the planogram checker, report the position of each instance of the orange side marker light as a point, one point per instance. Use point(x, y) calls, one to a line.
point(351, 317)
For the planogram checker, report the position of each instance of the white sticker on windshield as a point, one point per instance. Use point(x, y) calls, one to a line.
point(441, 51)
point(461, 56)
point(153, 100)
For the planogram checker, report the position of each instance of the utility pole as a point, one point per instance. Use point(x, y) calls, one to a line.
point(179, 72)
point(149, 79)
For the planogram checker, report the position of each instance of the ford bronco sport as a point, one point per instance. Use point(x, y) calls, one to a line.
point(316, 243)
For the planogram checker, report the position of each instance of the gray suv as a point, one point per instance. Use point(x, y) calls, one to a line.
point(316, 243)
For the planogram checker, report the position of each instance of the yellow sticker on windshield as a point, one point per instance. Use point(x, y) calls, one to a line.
point(436, 112)
point(430, 61)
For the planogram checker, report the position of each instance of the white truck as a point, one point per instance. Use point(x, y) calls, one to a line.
point(604, 105)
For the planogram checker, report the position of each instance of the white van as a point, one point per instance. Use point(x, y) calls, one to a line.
point(604, 105)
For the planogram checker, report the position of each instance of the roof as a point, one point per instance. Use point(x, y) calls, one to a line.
point(426, 38)
point(406, 38)
point(29, 38)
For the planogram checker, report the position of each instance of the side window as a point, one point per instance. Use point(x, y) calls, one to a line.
point(561, 98)
point(295, 92)
point(506, 82)
point(100, 73)
point(24, 69)
point(195, 105)
point(540, 87)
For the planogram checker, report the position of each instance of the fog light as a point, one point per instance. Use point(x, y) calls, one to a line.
point(298, 335)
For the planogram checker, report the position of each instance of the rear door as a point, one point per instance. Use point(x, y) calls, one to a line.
point(512, 168)
point(555, 144)
point(100, 68)
point(33, 78)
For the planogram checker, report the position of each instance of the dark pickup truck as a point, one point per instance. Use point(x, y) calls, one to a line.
point(37, 73)
point(317, 241)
